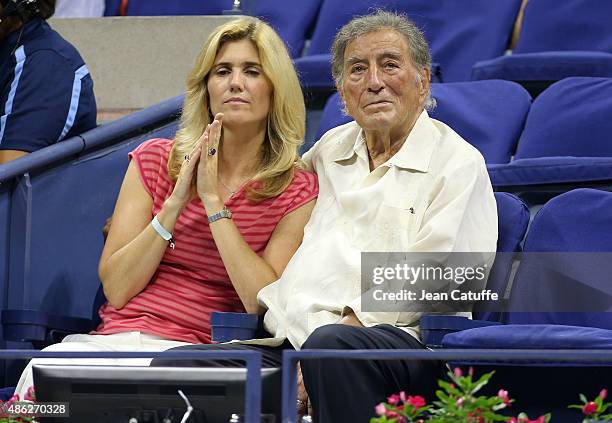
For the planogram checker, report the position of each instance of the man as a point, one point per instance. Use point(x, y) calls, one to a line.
point(46, 92)
point(393, 180)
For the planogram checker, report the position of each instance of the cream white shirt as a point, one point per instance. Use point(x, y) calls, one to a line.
point(433, 195)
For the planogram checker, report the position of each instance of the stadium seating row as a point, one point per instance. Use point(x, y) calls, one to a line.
point(468, 39)
point(563, 137)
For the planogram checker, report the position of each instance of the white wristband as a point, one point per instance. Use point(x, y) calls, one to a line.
point(162, 231)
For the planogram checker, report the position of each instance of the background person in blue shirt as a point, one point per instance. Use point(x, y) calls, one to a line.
point(46, 92)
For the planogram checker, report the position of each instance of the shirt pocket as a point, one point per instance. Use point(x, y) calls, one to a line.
point(396, 224)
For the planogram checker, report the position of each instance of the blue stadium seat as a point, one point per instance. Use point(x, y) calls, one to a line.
point(566, 137)
point(166, 7)
point(488, 114)
point(561, 299)
point(58, 206)
point(513, 219)
point(561, 296)
point(557, 40)
point(459, 33)
point(293, 22)
point(55, 260)
point(549, 287)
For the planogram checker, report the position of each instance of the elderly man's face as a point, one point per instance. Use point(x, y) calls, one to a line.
point(380, 87)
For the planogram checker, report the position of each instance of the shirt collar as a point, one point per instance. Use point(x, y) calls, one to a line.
point(414, 154)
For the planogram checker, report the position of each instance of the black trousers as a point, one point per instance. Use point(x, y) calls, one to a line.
point(343, 390)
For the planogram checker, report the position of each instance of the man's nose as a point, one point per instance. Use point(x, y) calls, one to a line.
point(375, 83)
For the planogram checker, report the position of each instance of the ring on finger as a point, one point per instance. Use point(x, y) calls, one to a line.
point(211, 151)
point(300, 402)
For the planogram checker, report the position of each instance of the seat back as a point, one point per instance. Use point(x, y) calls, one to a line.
point(512, 220)
point(570, 118)
point(167, 7)
point(459, 33)
point(565, 272)
point(56, 218)
point(488, 114)
point(292, 22)
point(552, 25)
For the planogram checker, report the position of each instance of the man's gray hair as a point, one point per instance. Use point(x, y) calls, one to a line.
point(381, 19)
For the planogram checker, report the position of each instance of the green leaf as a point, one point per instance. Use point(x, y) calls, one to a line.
point(583, 398)
point(442, 395)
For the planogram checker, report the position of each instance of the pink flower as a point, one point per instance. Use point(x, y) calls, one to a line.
point(393, 399)
point(457, 371)
point(459, 402)
point(402, 395)
point(416, 401)
point(475, 417)
point(391, 414)
point(589, 408)
point(471, 371)
point(380, 409)
point(504, 395)
point(13, 399)
point(30, 394)
point(540, 419)
point(603, 394)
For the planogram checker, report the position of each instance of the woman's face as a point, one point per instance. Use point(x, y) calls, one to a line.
point(237, 86)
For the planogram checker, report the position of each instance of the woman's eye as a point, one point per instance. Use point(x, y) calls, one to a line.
point(252, 72)
point(223, 71)
point(357, 69)
point(391, 65)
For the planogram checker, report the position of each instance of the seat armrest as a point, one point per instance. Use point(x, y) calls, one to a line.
point(39, 327)
point(227, 326)
point(24, 325)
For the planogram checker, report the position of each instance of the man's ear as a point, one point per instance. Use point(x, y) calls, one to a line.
point(425, 83)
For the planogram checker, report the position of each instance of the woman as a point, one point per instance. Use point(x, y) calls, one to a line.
point(204, 222)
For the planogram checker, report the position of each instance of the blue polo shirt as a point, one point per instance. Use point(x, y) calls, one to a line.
point(46, 92)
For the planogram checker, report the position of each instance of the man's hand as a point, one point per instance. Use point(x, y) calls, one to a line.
point(351, 320)
point(303, 402)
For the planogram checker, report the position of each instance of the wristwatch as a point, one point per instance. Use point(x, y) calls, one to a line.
point(223, 214)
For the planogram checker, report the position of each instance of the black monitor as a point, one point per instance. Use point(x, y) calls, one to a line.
point(116, 394)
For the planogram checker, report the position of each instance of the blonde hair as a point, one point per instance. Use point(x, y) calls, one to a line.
point(286, 119)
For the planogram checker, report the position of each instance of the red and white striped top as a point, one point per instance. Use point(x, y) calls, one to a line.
point(191, 280)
